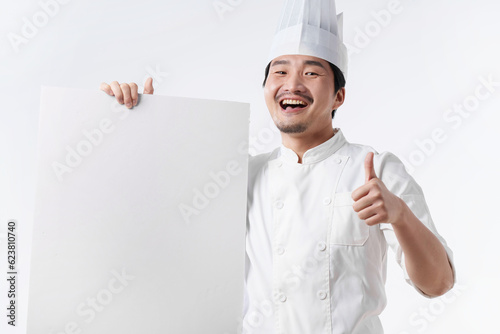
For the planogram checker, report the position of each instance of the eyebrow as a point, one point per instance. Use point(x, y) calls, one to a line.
point(314, 63)
point(280, 62)
point(306, 62)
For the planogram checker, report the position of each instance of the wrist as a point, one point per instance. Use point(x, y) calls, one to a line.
point(402, 217)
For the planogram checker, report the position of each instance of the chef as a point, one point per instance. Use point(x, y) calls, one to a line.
point(322, 212)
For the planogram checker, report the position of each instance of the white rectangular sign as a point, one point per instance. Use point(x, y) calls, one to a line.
point(140, 215)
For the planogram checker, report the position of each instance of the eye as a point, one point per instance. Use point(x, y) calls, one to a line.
point(311, 73)
point(280, 72)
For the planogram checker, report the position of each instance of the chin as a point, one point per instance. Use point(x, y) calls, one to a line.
point(291, 128)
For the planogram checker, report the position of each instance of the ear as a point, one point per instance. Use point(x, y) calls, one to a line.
point(339, 98)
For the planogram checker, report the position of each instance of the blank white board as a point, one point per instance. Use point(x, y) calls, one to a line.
point(140, 215)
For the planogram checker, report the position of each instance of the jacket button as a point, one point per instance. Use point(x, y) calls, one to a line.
point(282, 297)
point(280, 250)
point(322, 295)
point(322, 246)
point(279, 205)
point(327, 201)
point(338, 161)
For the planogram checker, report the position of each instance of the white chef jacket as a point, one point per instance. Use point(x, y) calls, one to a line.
point(312, 266)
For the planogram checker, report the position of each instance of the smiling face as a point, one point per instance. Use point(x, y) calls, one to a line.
point(300, 95)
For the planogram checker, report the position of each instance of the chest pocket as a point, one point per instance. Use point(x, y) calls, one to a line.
point(347, 229)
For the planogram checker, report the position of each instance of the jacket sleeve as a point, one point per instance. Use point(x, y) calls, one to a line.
point(395, 177)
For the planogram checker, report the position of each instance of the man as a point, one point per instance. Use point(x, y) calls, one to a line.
point(322, 211)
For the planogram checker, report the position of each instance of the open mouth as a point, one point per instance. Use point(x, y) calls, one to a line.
point(293, 105)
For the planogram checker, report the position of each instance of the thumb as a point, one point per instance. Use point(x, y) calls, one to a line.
point(369, 169)
point(148, 86)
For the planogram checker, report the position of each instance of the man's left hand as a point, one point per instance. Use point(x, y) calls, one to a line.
point(373, 202)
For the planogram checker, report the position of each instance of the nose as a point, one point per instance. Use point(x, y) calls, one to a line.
point(293, 83)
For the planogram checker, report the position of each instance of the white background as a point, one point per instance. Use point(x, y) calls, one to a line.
point(402, 81)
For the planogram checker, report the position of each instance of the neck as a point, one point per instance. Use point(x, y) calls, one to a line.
point(301, 142)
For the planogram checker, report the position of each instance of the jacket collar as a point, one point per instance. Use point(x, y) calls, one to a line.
point(315, 154)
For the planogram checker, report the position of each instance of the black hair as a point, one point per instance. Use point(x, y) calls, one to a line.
point(338, 79)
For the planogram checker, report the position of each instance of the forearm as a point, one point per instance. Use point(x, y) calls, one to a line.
point(425, 257)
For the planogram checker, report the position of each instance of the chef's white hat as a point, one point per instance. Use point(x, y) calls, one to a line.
point(311, 28)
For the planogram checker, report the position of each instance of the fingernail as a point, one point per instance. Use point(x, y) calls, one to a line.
point(134, 102)
point(129, 105)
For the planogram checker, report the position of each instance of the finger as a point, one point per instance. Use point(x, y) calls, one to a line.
point(117, 91)
point(375, 219)
point(362, 203)
point(134, 93)
point(369, 169)
point(127, 97)
point(374, 214)
point(106, 88)
point(360, 192)
point(367, 213)
point(148, 86)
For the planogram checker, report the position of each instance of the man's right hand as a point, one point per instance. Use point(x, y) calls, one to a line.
point(127, 93)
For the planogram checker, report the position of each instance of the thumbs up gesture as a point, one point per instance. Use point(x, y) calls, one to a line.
point(373, 202)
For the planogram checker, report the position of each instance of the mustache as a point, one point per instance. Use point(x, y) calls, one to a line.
point(304, 96)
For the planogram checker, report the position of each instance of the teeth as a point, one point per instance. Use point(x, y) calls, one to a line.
point(293, 102)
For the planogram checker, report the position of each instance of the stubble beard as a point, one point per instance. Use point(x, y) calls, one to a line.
point(291, 128)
